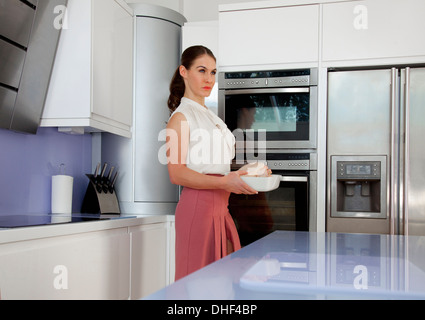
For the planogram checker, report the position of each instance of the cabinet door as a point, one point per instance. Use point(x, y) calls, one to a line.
point(269, 36)
point(373, 29)
point(112, 59)
point(92, 265)
point(92, 80)
point(149, 259)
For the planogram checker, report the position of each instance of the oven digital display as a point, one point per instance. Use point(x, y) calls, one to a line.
point(358, 169)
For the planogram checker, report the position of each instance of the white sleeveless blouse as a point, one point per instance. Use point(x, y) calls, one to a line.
point(211, 145)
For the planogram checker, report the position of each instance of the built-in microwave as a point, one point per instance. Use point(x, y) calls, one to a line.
point(271, 109)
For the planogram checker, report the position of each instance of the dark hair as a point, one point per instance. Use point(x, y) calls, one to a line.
point(177, 86)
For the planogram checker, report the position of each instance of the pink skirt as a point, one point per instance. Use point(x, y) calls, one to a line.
point(203, 228)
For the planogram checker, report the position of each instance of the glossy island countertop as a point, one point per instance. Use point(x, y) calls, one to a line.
point(303, 265)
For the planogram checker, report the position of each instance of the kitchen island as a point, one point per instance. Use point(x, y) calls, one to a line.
point(302, 265)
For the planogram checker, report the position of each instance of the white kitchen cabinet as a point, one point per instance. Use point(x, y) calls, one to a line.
point(267, 36)
point(373, 29)
point(92, 265)
point(152, 258)
point(92, 80)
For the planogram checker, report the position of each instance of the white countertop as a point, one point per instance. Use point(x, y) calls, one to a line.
point(54, 230)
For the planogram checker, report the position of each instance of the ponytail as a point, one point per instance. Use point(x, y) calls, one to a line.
point(177, 86)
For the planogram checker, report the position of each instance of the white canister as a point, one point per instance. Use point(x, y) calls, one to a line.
point(62, 194)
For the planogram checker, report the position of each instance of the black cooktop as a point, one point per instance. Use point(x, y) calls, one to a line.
point(32, 220)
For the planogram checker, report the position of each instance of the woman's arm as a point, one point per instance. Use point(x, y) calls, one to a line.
point(177, 148)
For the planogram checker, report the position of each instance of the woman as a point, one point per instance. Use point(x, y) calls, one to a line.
point(200, 151)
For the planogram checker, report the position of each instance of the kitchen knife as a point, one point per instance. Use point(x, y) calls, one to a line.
point(111, 186)
point(96, 171)
point(100, 180)
point(107, 181)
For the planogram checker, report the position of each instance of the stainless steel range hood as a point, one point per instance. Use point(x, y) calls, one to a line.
point(29, 35)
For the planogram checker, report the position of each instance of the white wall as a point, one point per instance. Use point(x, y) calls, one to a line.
point(203, 10)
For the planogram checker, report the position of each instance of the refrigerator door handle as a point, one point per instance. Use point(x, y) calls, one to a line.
point(406, 152)
point(392, 202)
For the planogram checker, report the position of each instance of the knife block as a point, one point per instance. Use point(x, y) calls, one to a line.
point(99, 201)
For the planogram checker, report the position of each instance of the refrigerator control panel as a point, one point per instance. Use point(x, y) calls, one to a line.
point(364, 170)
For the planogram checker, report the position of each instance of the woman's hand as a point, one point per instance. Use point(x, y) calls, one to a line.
point(234, 184)
point(257, 169)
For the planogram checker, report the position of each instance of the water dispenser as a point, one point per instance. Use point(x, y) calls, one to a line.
point(359, 187)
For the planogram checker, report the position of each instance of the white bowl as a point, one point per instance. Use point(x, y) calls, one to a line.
point(263, 184)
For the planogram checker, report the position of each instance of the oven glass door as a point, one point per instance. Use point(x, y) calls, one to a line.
point(286, 208)
point(284, 113)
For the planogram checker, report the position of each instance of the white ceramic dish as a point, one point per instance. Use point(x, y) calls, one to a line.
point(263, 184)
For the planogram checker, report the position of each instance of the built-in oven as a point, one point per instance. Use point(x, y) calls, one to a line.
point(292, 206)
point(271, 109)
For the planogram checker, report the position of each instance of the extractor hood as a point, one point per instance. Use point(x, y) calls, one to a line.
point(29, 35)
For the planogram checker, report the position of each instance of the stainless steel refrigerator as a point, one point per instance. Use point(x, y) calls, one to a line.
point(375, 151)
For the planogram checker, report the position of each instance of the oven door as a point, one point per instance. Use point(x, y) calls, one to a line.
point(286, 208)
point(279, 117)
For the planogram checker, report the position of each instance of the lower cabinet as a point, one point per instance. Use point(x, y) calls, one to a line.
point(152, 258)
point(119, 264)
point(94, 265)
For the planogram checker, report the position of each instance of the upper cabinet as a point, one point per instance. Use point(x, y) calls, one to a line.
point(91, 87)
point(378, 29)
point(326, 33)
point(278, 35)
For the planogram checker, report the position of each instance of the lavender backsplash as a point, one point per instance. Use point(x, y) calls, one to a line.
point(27, 163)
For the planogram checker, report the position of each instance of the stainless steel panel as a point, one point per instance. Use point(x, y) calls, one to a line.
point(359, 104)
point(12, 61)
point(155, 66)
point(7, 103)
point(16, 19)
point(313, 201)
point(415, 153)
point(359, 124)
point(37, 69)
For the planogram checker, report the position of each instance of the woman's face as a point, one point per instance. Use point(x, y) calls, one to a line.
point(199, 78)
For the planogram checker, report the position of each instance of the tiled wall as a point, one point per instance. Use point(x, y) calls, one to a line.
point(27, 163)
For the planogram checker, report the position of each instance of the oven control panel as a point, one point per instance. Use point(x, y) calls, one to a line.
point(289, 164)
point(268, 78)
point(284, 161)
point(264, 83)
